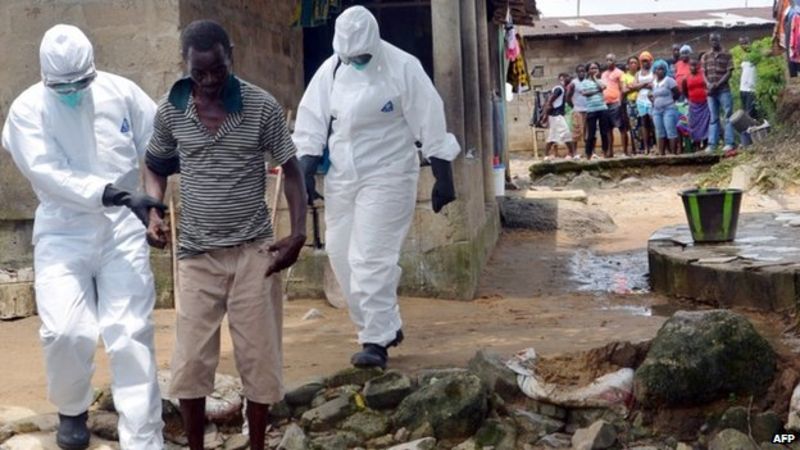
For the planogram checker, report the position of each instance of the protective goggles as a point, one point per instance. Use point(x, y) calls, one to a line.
point(69, 88)
point(358, 59)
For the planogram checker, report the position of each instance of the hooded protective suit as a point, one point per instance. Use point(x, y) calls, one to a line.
point(91, 262)
point(370, 189)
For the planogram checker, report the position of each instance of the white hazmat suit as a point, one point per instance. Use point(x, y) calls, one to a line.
point(380, 112)
point(91, 262)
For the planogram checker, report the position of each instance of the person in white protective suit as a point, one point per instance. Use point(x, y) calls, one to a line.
point(374, 106)
point(78, 136)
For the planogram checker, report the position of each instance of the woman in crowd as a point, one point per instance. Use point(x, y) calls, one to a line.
point(596, 110)
point(665, 114)
point(631, 91)
point(694, 87)
point(644, 83)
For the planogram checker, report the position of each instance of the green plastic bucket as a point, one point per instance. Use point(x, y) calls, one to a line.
point(712, 213)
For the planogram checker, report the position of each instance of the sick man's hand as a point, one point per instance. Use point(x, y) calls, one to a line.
point(287, 250)
point(157, 230)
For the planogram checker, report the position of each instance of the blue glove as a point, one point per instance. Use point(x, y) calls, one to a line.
point(310, 164)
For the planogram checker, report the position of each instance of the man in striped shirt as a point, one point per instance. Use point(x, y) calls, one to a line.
point(219, 131)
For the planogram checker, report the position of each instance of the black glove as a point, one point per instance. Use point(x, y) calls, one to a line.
point(140, 204)
point(444, 190)
point(310, 164)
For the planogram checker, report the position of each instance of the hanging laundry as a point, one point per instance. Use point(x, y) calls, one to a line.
point(512, 43)
point(517, 75)
point(314, 13)
point(779, 12)
point(794, 38)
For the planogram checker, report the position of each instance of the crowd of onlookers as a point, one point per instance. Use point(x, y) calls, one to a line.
point(658, 106)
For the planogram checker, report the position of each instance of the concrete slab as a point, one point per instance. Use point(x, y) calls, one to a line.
point(760, 269)
point(577, 195)
point(541, 168)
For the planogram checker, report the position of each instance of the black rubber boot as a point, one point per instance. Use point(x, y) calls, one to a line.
point(373, 355)
point(398, 338)
point(73, 434)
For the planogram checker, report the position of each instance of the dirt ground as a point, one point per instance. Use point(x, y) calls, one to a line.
point(531, 295)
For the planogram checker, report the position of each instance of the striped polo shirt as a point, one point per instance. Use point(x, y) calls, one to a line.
point(223, 177)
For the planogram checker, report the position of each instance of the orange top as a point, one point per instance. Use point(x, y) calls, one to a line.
point(613, 82)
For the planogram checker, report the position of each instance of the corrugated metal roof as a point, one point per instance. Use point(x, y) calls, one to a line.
point(589, 25)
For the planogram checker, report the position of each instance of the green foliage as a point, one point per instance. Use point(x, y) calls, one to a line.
point(770, 70)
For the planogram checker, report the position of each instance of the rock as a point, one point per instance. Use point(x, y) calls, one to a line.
point(303, 395)
point(422, 431)
point(550, 180)
point(293, 439)
point(280, 411)
point(387, 391)
point(585, 181)
point(212, 438)
point(555, 440)
point(104, 424)
point(47, 441)
point(742, 177)
point(9, 414)
point(600, 435)
point(469, 444)
point(428, 376)
point(312, 314)
point(341, 440)
point(771, 446)
point(731, 439)
point(702, 356)
point(491, 368)
point(585, 417)
point(574, 218)
point(17, 300)
point(34, 424)
point(765, 426)
point(536, 425)
point(104, 400)
point(402, 435)
point(734, 417)
point(367, 424)
point(237, 442)
point(498, 434)
point(382, 442)
point(455, 406)
point(682, 446)
point(328, 414)
point(631, 183)
point(420, 444)
point(353, 375)
point(545, 409)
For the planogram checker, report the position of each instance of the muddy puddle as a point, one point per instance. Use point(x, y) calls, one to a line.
point(618, 273)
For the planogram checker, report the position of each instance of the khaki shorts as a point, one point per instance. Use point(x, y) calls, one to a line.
point(231, 281)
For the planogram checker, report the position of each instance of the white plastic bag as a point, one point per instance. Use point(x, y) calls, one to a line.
point(611, 390)
point(794, 411)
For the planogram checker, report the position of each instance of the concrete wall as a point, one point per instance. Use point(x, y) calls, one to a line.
point(562, 54)
point(137, 39)
point(267, 52)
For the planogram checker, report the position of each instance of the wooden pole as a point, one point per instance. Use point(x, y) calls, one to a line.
point(173, 229)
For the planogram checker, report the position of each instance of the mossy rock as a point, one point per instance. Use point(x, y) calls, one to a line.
point(699, 357)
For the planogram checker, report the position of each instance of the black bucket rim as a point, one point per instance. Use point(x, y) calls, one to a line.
point(701, 192)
